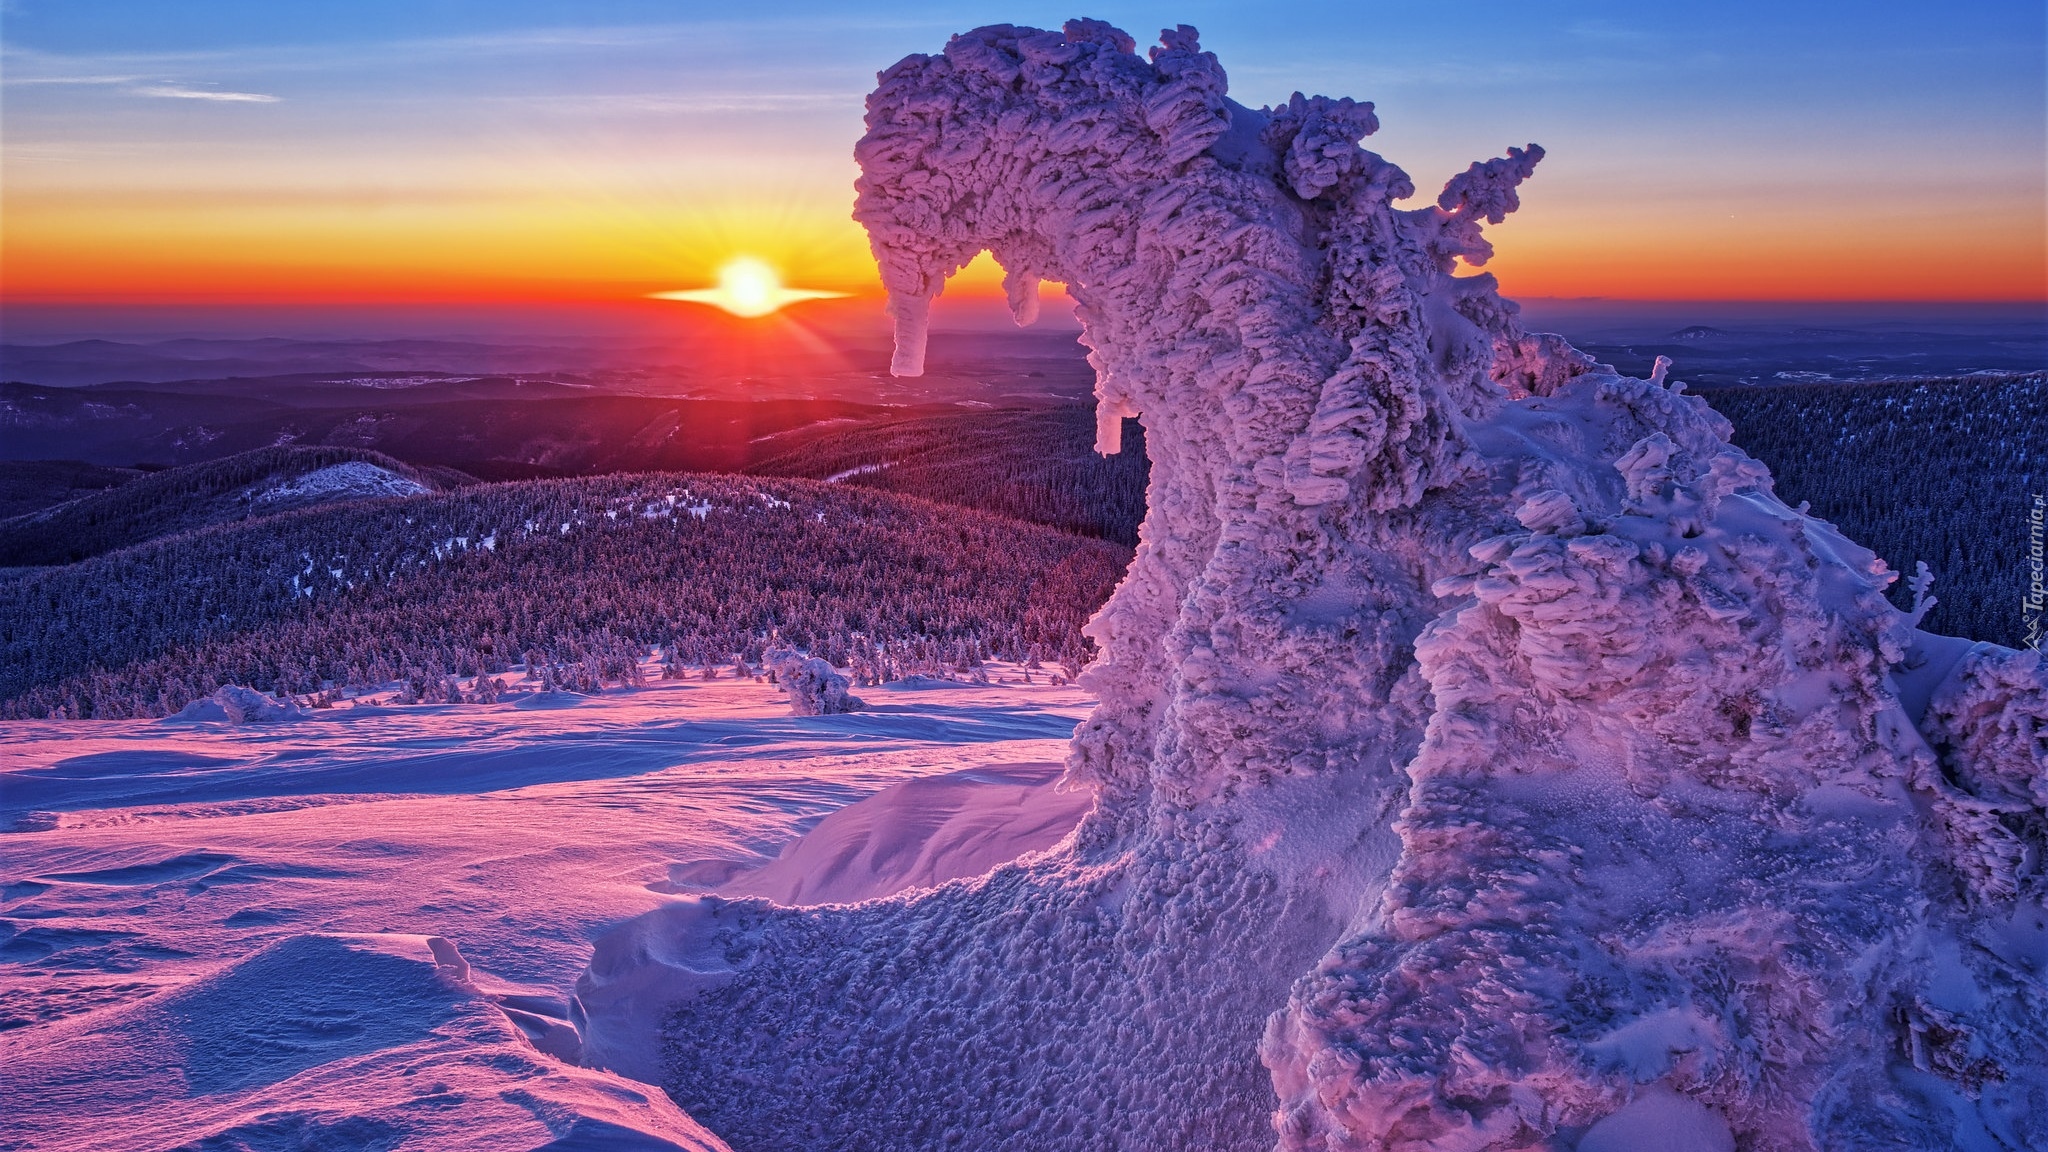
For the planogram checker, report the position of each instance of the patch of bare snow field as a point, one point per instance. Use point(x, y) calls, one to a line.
point(352, 478)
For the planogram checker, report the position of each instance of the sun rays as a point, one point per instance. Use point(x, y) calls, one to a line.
point(748, 286)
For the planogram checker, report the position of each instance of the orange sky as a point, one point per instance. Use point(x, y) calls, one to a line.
point(1686, 161)
point(79, 248)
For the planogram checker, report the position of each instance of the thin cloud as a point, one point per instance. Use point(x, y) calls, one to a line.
point(31, 65)
point(21, 80)
point(178, 92)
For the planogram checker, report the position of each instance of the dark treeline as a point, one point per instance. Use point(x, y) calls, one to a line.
point(1939, 470)
point(32, 485)
point(1035, 464)
point(180, 499)
point(581, 577)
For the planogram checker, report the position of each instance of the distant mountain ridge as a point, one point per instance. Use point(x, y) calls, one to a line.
point(497, 427)
point(244, 486)
point(88, 362)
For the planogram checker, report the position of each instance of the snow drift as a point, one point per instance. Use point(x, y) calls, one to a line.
point(234, 704)
point(919, 834)
point(323, 1040)
point(1487, 758)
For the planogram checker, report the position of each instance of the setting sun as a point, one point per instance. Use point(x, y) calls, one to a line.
point(748, 286)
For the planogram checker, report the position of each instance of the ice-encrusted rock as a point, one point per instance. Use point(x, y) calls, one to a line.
point(1486, 757)
point(815, 688)
point(247, 706)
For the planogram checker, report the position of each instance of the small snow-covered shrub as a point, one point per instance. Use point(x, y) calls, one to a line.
point(815, 688)
point(248, 706)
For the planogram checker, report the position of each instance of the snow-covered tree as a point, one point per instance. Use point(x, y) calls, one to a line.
point(814, 687)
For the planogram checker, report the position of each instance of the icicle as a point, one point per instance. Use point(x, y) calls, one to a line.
point(1022, 290)
point(913, 316)
point(1109, 424)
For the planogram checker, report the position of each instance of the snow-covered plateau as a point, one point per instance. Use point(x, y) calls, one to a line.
point(1482, 758)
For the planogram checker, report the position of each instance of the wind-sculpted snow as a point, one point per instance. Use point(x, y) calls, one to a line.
point(1487, 759)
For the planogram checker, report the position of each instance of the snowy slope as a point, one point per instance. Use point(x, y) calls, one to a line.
point(351, 480)
point(359, 929)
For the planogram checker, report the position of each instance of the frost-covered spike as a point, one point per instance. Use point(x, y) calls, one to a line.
point(1645, 468)
point(1186, 108)
point(1483, 194)
point(1921, 583)
point(1659, 370)
point(1487, 189)
point(1086, 31)
point(1317, 138)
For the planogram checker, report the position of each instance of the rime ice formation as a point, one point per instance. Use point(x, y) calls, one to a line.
point(815, 688)
point(1487, 758)
point(238, 705)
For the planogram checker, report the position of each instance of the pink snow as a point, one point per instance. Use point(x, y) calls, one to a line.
point(267, 932)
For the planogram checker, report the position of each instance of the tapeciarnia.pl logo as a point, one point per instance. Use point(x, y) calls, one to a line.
point(2037, 594)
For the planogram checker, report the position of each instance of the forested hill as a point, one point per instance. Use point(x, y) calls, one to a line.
point(580, 576)
point(1940, 470)
point(580, 571)
point(1037, 464)
point(257, 483)
point(33, 485)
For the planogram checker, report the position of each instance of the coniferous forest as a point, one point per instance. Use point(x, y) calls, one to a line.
point(575, 581)
point(1035, 464)
point(1940, 470)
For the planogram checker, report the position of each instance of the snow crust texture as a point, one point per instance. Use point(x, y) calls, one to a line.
point(1487, 758)
point(324, 1041)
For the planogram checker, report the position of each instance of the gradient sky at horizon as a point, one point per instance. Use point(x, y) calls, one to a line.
point(521, 150)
